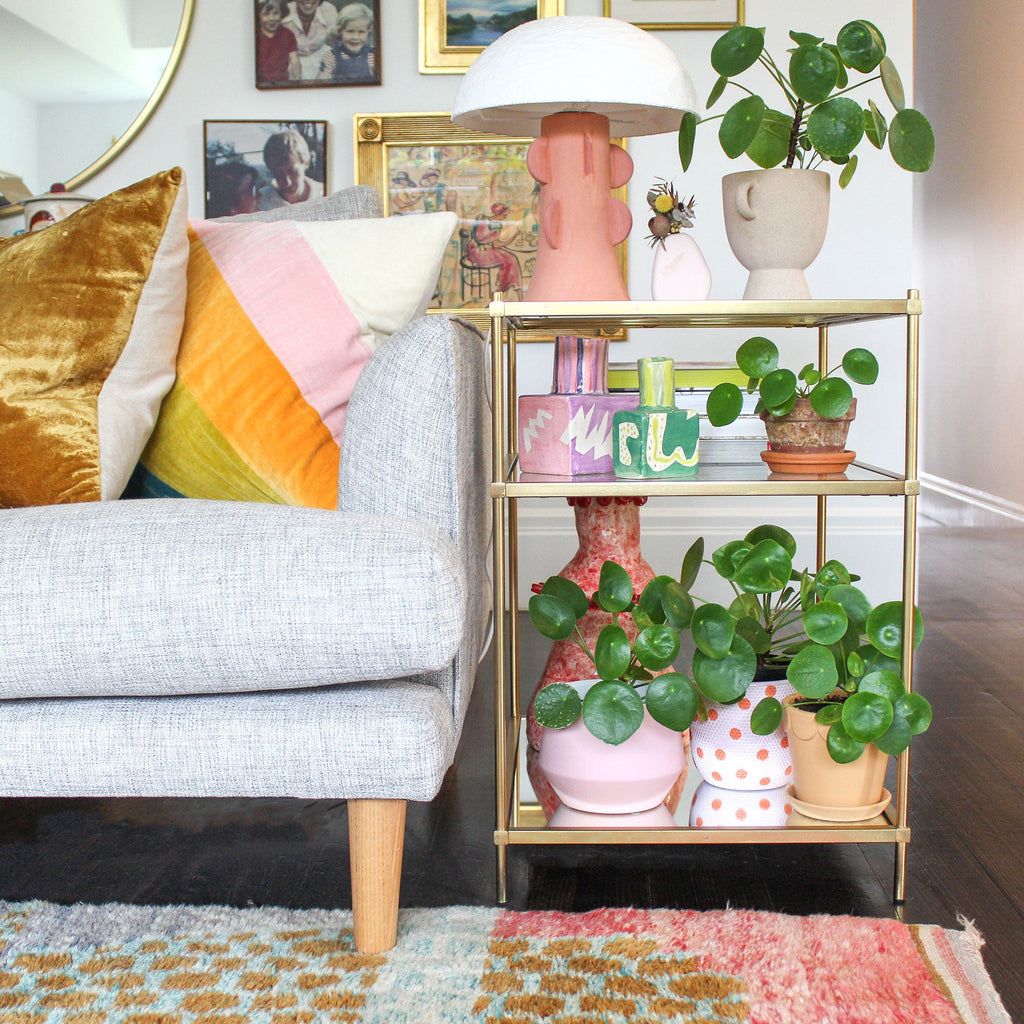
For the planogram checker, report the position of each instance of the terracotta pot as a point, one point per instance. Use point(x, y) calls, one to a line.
point(729, 754)
point(590, 775)
point(776, 221)
point(802, 430)
point(824, 789)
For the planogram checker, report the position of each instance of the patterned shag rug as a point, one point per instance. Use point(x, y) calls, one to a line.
point(214, 965)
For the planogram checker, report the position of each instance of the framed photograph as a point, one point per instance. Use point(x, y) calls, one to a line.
point(262, 165)
point(316, 43)
point(422, 163)
point(453, 32)
point(662, 15)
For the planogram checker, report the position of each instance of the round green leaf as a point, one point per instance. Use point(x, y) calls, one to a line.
point(615, 588)
point(813, 72)
point(836, 126)
point(883, 682)
point(825, 622)
point(612, 652)
point(866, 716)
point(557, 705)
point(829, 714)
point(754, 633)
point(847, 173)
point(854, 601)
point(725, 679)
point(884, 628)
point(896, 738)
point(652, 600)
point(892, 83)
point(778, 387)
point(691, 564)
point(757, 357)
point(740, 125)
point(875, 127)
point(771, 143)
point(860, 366)
point(571, 593)
point(764, 569)
point(613, 711)
point(832, 574)
point(728, 556)
point(911, 141)
point(672, 701)
point(813, 672)
point(551, 616)
point(725, 403)
point(656, 647)
point(842, 748)
point(875, 661)
point(712, 629)
point(915, 711)
point(678, 605)
point(737, 50)
point(782, 537)
point(766, 717)
point(687, 138)
point(831, 397)
point(861, 46)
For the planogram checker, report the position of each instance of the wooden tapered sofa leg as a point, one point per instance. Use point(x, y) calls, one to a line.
point(376, 833)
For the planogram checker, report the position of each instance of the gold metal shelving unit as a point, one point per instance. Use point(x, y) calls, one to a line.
point(519, 820)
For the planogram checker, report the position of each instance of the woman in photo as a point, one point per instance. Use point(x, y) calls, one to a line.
point(311, 22)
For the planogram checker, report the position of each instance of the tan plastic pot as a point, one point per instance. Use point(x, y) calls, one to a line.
point(853, 791)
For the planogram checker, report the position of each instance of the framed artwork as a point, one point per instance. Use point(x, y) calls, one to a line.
point(453, 32)
point(422, 163)
point(661, 15)
point(261, 165)
point(316, 43)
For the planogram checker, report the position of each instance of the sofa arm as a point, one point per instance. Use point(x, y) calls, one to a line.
point(170, 596)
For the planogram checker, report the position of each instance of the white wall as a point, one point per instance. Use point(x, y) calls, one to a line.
point(970, 225)
point(866, 254)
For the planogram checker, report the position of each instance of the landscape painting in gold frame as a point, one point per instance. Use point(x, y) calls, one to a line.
point(421, 163)
point(452, 33)
point(664, 15)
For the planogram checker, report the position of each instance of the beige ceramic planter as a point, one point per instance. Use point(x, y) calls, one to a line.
point(826, 790)
point(776, 221)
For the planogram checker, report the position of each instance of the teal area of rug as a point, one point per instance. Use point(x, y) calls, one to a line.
point(212, 965)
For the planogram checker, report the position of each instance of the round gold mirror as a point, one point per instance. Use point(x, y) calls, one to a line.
point(77, 83)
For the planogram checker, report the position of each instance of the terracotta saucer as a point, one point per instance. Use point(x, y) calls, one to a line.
point(840, 813)
point(816, 462)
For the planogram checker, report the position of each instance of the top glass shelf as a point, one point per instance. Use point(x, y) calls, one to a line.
point(590, 316)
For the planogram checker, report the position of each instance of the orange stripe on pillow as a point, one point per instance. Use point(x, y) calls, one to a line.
point(247, 393)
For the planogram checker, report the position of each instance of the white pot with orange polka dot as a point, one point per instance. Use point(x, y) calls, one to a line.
point(730, 755)
point(714, 807)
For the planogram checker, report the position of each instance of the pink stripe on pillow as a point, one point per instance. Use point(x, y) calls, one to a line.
point(323, 351)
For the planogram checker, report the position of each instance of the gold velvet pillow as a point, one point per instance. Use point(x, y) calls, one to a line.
point(90, 320)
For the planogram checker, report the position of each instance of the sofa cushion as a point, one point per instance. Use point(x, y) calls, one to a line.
point(280, 319)
point(89, 327)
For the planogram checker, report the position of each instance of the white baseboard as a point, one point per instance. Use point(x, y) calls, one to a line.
point(953, 504)
point(866, 534)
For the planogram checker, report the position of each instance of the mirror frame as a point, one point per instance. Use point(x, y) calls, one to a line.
point(121, 142)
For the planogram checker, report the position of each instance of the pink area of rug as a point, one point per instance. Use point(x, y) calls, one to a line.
point(185, 965)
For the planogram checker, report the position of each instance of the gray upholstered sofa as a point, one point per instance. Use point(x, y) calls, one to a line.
point(268, 651)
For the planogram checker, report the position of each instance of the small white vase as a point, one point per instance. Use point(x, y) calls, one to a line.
point(776, 221)
point(680, 272)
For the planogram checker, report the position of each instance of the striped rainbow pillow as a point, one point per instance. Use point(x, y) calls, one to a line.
point(279, 321)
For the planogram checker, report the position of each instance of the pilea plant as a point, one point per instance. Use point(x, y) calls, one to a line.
point(841, 654)
point(613, 709)
point(778, 388)
point(821, 123)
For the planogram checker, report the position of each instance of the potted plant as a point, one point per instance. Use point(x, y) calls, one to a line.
point(614, 743)
point(841, 655)
point(820, 124)
point(806, 412)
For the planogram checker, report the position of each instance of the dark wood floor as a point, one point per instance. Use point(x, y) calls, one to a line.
point(967, 813)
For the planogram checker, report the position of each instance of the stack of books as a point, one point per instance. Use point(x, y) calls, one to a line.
point(741, 441)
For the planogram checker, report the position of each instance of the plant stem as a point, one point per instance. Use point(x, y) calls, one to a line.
point(794, 134)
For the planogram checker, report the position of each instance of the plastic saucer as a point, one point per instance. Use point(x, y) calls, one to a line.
point(840, 813)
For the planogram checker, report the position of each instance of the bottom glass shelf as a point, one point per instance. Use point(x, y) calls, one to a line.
point(703, 814)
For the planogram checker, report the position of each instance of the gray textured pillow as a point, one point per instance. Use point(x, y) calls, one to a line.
point(353, 203)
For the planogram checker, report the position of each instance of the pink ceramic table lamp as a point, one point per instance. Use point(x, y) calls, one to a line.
point(573, 83)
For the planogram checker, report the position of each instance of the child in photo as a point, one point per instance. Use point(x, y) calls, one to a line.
point(277, 53)
point(352, 56)
point(287, 157)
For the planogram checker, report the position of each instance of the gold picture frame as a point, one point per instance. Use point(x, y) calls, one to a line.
point(666, 15)
point(422, 162)
point(438, 56)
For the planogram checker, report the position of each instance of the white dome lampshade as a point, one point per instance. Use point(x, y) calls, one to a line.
point(572, 83)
